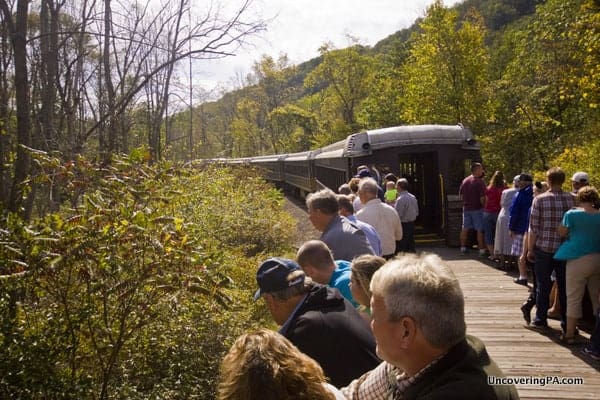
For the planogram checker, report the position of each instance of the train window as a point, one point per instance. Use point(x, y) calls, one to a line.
point(408, 169)
point(459, 169)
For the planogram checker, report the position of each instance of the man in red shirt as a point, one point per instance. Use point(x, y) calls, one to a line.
point(472, 191)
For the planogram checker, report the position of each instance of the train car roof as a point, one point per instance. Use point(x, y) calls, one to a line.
point(334, 150)
point(243, 160)
point(305, 155)
point(420, 134)
point(367, 141)
point(267, 158)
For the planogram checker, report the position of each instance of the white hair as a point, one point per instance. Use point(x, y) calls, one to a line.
point(368, 186)
point(424, 288)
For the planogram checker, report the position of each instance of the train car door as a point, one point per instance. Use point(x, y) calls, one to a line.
point(422, 172)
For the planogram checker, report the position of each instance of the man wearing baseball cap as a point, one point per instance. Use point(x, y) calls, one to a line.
point(318, 320)
point(579, 180)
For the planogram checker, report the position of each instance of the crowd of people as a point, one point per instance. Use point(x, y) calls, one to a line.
point(362, 316)
point(547, 232)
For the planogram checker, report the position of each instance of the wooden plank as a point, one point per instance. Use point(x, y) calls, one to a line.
point(492, 312)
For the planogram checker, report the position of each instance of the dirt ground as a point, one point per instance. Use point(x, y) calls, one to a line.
point(304, 229)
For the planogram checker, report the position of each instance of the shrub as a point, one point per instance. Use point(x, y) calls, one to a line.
point(137, 288)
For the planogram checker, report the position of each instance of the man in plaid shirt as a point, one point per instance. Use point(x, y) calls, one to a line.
point(547, 211)
point(419, 326)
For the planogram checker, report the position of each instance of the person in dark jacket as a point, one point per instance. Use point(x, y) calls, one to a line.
point(419, 324)
point(519, 214)
point(318, 320)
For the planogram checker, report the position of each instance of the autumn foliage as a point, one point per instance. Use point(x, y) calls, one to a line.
point(135, 287)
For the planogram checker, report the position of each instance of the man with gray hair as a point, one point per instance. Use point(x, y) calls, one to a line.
point(419, 326)
point(344, 238)
point(380, 216)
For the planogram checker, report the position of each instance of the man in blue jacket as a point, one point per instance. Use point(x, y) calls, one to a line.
point(344, 238)
point(519, 214)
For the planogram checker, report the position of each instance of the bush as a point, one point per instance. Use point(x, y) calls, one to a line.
point(137, 289)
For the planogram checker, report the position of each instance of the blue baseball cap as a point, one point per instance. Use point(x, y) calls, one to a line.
point(275, 274)
point(364, 173)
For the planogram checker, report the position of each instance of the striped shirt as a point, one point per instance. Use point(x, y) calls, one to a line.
point(547, 211)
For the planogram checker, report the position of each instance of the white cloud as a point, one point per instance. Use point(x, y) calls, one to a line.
point(300, 27)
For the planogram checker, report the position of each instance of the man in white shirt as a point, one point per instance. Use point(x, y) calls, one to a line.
point(380, 216)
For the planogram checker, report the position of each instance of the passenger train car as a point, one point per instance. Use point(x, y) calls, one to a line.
point(433, 158)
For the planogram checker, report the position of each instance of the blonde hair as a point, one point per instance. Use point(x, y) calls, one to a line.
point(363, 267)
point(265, 365)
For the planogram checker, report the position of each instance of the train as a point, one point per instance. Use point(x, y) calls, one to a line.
point(433, 158)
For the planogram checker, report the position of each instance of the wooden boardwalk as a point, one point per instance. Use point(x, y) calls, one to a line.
point(492, 312)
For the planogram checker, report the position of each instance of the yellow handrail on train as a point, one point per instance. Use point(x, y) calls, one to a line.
point(443, 195)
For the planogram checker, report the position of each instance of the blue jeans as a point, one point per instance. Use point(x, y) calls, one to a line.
point(543, 266)
point(489, 227)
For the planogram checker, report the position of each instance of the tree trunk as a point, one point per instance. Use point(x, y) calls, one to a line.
point(162, 101)
point(18, 33)
point(110, 89)
point(5, 142)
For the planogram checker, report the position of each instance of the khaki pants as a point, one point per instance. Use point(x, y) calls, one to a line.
point(581, 271)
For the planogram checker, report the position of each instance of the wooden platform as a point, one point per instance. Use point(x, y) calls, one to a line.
point(492, 303)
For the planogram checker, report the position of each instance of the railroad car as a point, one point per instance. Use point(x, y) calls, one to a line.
point(433, 158)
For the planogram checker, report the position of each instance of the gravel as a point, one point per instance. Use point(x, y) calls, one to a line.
point(304, 229)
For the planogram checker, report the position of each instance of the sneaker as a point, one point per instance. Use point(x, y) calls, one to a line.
point(520, 281)
point(463, 250)
point(538, 325)
point(587, 350)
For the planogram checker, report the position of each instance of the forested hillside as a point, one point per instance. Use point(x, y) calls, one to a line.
point(100, 79)
point(523, 74)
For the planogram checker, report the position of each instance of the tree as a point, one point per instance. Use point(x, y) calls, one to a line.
point(291, 128)
point(345, 77)
point(245, 130)
point(17, 29)
point(268, 88)
point(445, 77)
point(80, 78)
point(211, 36)
point(383, 105)
point(544, 94)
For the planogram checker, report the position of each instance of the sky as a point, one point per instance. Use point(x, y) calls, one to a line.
point(299, 27)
